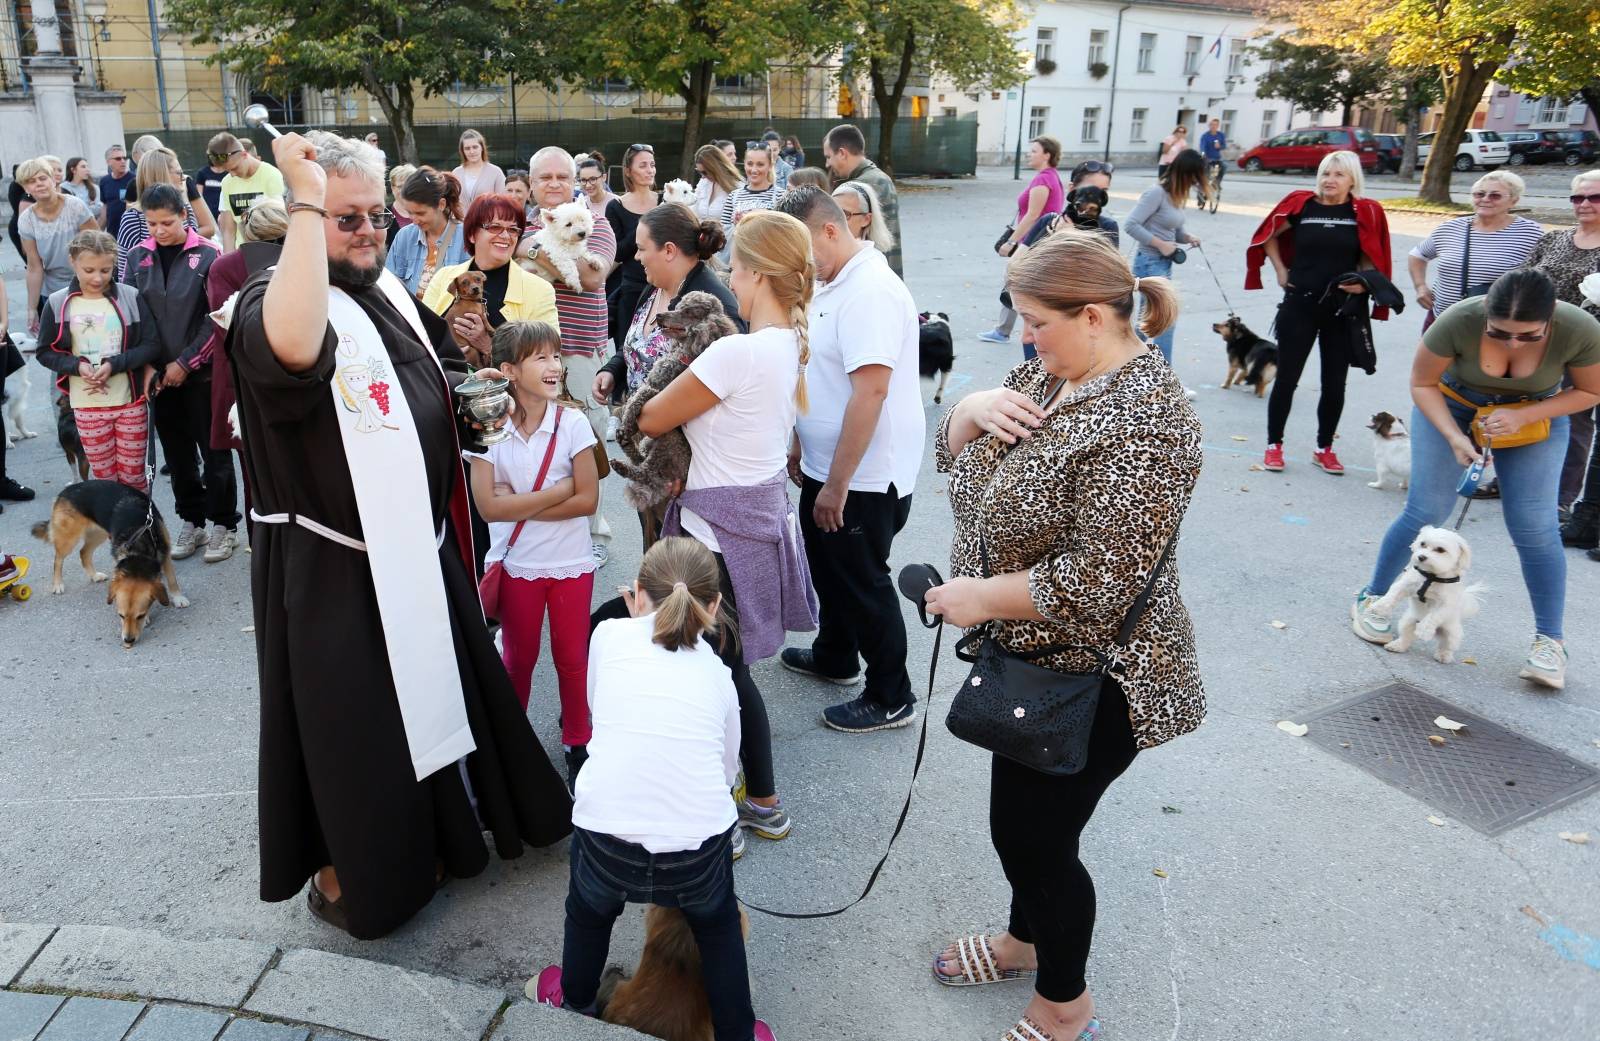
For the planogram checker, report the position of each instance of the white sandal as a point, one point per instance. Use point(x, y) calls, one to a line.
point(978, 965)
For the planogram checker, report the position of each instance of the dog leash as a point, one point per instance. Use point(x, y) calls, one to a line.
point(913, 578)
point(1220, 291)
point(1469, 485)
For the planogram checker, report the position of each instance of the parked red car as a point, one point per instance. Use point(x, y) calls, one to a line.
point(1303, 149)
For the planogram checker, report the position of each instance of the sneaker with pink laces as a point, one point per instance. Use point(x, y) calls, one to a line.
point(1329, 462)
point(1273, 460)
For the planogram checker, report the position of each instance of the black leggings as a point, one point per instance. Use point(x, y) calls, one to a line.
point(755, 732)
point(1035, 820)
point(1301, 322)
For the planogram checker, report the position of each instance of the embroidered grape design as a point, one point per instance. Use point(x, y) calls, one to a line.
point(380, 395)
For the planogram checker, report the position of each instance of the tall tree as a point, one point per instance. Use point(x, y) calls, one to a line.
point(969, 42)
point(1559, 56)
point(389, 48)
point(1318, 77)
point(681, 48)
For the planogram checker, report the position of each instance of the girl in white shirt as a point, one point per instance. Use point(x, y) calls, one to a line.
point(652, 822)
point(538, 528)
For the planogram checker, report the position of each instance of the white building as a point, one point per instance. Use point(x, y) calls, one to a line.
point(1124, 75)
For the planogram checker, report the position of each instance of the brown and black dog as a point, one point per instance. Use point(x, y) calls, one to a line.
point(1252, 360)
point(91, 512)
point(466, 292)
point(666, 996)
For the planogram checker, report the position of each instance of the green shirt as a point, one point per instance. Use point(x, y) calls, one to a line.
point(240, 193)
point(1458, 334)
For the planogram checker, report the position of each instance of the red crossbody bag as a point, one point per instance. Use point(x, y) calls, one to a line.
point(489, 584)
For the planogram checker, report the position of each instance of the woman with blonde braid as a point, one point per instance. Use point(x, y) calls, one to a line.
point(737, 404)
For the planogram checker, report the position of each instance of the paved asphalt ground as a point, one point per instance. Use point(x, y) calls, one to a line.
point(1301, 898)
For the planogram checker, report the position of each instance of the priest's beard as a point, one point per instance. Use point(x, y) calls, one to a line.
point(348, 275)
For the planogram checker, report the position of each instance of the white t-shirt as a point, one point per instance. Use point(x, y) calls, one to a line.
point(545, 549)
point(744, 438)
point(865, 316)
point(665, 748)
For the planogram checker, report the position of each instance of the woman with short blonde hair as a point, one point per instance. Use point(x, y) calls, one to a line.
point(1470, 252)
point(46, 230)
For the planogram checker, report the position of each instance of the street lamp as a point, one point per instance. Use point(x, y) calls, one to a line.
point(1022, 117)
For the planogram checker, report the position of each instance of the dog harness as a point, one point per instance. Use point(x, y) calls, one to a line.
point(1428, 579)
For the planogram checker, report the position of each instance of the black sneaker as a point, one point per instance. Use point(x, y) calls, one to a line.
point(577, 755)
point(863, 716)
point(14, 492)
point(801, 660)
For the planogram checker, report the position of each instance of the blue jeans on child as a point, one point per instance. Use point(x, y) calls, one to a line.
point(1529, 477)
point(1148, 262)
point(608, 874)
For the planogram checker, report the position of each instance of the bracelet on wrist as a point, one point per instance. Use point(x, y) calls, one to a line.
point(306, 207)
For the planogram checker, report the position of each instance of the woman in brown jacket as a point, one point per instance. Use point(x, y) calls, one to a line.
point(1075, 475)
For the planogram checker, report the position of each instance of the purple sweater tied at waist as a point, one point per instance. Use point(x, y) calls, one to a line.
point(759, 536)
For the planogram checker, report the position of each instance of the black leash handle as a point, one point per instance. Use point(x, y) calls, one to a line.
point(915, 579)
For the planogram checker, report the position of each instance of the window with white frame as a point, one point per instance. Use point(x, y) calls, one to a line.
point(1147, 52)
point(1038, 116)
point(1551, 110)
point(1228, 116)
point(1269, 123)
point(1236, 57)
point(1097, 46)
point(1191, 54)
point(1091, 124)
point(1136, 124)
point(1044, 45)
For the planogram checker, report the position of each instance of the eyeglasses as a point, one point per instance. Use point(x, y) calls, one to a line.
point(497, 230)
point(589, 180)
point(1591, 199)
point(350, 223)
point(1492, 196)
point(1503, 334)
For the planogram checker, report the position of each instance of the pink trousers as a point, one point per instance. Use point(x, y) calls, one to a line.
point(523, 604)
point(115, 441)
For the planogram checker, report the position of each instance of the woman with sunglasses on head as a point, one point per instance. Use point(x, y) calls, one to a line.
point(1567, 257)
point(477, 175)
point(758, 192)
point(627, 283)
point(1492, 367)
point(1470, 252)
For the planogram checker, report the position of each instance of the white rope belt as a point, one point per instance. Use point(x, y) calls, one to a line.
point(322, 529)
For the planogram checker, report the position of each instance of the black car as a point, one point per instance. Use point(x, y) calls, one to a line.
point(1390, 147)
point(1579, 146)
point(1532, 147)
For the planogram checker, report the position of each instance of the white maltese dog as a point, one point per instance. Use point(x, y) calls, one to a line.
point(564, 239)
point(678, 190)
point(1436, 603)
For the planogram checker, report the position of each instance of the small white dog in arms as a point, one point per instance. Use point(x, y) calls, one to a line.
point(17, 386)
point(1436, 603)
point(678, 190)
point(564, 239)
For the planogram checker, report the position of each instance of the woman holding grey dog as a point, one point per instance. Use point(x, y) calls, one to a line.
point(1068, 485)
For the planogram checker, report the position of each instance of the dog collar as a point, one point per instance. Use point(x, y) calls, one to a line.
point(1428, 579)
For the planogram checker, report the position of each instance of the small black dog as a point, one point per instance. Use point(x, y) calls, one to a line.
point(1085, 205)
point(1252, 360)
point(936, 351)
point(71, 443)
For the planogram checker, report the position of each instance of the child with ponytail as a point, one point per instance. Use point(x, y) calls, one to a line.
point(652, 822)
point(537, 490)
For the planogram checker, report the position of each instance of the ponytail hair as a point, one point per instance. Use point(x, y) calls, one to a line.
point(428, 187)
point(1072, 269)
point(677, 224)
point(681, 577)
point(778, 247)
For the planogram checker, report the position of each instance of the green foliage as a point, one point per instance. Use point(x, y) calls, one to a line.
point(1319, 77)
point(1557, 54)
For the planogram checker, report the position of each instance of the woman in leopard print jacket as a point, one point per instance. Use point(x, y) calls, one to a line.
point(1075, 474)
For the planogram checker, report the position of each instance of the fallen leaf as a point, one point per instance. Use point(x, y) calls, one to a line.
point(1474, 661)
point(1258, 466)
point(1244, 487)
point(1296, 729)
point(1279, 625)
point(1170, 809)
point(1528, 910)
point(248, 629)
point(1436, 741)
point(1158, 873)
point(1577, 838)
point(1446, 723)
point(1597, 742)
point(1435, 821)
point(1237, 437)
point(1344, 744)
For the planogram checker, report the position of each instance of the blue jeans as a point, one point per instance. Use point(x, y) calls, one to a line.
point(608, 874)
point(1148, 262)
point(1528, 477)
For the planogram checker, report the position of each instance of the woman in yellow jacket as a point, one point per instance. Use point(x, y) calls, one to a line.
point(493, 227)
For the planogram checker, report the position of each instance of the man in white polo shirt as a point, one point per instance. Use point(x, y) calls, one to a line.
point(856, 455)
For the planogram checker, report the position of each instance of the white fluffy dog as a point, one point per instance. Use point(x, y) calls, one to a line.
point(1436, 604)
point(17, 386)
point(1391, 448)
point(678, 190)
point(564, 239)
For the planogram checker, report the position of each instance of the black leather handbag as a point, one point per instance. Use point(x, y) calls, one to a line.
point(1481, 289)
point(1032, 715)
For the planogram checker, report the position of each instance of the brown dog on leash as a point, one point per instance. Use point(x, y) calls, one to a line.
point(666, 997)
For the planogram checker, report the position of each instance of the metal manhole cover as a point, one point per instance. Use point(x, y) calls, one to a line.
point(1485, 776)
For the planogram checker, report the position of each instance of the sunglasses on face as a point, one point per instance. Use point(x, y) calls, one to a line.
point(1503, 334)
point(350, 223)
point(1492, 196)
point(1592, 199)
point(222, 157)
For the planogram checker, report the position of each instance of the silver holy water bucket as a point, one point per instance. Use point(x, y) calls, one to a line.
point(483, 401)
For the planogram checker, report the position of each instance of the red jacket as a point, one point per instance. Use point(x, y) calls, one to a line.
point(1372, 228)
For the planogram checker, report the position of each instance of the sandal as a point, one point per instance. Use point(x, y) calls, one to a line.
point(978, 965)
point(1027, 1030)
point(330, 911)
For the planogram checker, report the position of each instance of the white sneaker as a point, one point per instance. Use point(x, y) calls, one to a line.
point(1191, 395)
point(602, 555)
point(1547, 663)
point(190, 538)
point(220, 544)
point(611, 428)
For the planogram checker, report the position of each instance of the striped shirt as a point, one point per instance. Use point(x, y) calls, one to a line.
point(1493, 254)
point(583, 315)
point(743, 200)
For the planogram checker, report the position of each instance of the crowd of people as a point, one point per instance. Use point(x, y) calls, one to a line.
point(313, 298)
